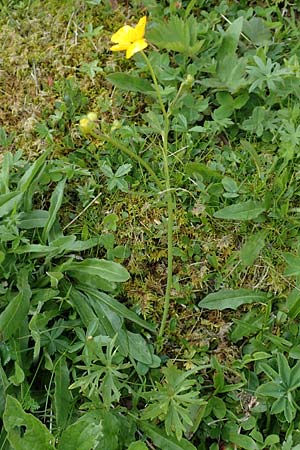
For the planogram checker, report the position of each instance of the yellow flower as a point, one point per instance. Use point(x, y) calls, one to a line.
point(130, 39)
point(87, 124)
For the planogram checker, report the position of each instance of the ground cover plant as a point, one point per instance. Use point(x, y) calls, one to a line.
point(149, 225)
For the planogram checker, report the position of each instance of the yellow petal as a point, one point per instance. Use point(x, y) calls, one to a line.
point(123, 35)
point(139, 30)
point(136, 47)
point(120, 47)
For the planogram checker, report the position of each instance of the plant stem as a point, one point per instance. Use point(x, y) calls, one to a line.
point(170, 205)
point(116, 143)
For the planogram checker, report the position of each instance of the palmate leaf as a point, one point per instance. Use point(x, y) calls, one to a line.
point(178, 35)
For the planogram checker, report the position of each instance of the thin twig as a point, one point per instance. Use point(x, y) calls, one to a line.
point(83, 211)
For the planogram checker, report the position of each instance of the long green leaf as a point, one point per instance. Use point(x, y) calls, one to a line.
point(9, 201)
point(232, 299)
point(6, 164)
point(252, 247)
point(293, 265)
point(32, 172)
point(17, 309)
point(3, 386)
point(128, 82)
point(33, 219)
point(36, 435)
point(55, 204)
point(84, 434)
point(109, 270)
point(62, 394)
point(162, 441)
point(241, 211)
point(118, 307)
point(83, 308)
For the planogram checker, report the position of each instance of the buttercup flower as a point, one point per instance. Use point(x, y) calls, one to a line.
point(87, 124)
point(130, 38)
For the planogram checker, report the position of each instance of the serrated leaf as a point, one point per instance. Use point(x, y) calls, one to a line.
point(232, 299)
point(241, 211)
point(177, 35)
point(257, 31)
point(24, 431)
point(123, 170)
point(128, 82)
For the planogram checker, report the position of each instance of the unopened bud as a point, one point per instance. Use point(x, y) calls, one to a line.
point(189, 80)
point(86, 125)
point(92, 116)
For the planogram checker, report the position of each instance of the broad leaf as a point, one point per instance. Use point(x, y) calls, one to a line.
point(257, 30)
point(241, 211)
point(108, 270)
point(9, 201)
point(162, 441)
point(243, 441)
point(252, 247)
point(293, 265)
point(84, 434)
point(24, 431)
point(138, 445)
point(128, 82)
point(33, 171)
point(33, 219)
point(138, 348)
point(118, 307)
point(232, 299)
point(270, 389)
point(178, 35)
point(17, 309)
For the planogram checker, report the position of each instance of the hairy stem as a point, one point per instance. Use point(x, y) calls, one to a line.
point(170, 205)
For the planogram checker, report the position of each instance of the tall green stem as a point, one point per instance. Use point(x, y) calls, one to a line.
point(170, 204)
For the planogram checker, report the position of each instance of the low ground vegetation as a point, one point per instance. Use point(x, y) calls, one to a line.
point(149, 225)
